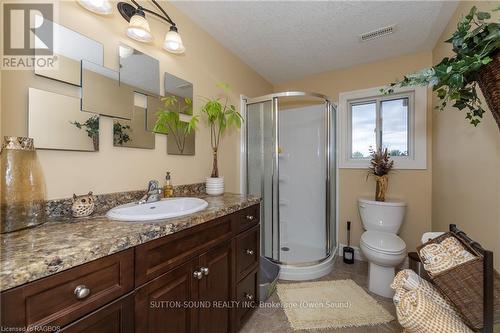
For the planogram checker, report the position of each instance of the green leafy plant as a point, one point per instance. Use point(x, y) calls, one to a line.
point(120, 135)
point(91, 126)
point(169, 121)
point(455, 79)
point(220, 116)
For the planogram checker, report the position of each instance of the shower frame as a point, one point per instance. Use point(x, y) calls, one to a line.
point(330, 108)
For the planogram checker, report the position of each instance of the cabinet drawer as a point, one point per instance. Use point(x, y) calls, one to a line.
point(159, 256)
point(247, 251)
point(117, 317)
point(247, 296)
point(52, 301)
point(248, 217)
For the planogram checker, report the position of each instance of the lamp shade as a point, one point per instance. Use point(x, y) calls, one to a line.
point(102, 7)
point(138, 28)
point(173, 41)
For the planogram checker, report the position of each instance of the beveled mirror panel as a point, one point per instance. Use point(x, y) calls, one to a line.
point(70, 47)
point(181, 143)
point(182, 90)
point(153, 106)
point(56, 122)
point(132, 133)
point(102, 93)
point(139, 70)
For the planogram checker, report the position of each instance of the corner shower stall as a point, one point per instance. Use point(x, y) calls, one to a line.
point(290, 163)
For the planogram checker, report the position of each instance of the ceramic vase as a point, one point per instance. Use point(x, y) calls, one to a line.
point(214, 185)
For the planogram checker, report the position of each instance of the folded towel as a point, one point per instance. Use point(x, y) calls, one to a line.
point(438, 257)
point(457, 250)
point(439, 262)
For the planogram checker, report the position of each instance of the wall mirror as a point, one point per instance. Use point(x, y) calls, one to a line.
point(139, 70)
point(56, 122)
point(70, 48)
point(103, 94)
point(182, 90)
point(181, 143)
point(133, 133)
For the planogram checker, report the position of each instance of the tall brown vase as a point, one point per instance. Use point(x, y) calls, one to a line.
point(381, 188)
point(22, 199)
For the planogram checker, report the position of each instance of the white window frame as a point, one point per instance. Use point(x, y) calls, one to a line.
point(417, 127)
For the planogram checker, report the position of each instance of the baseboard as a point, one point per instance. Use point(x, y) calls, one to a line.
point(357, 252)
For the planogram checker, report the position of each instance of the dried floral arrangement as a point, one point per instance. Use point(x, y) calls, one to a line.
point(380, 163)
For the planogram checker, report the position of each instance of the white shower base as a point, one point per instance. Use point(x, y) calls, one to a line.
point(310, 272)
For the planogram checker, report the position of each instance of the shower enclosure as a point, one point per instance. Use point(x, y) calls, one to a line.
point(290, 164)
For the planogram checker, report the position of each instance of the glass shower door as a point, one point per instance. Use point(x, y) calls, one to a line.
point(260, 148)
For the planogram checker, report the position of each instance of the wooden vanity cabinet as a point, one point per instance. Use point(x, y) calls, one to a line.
point(199, 280)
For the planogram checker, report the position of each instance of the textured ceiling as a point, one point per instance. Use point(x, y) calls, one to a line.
point(288, 40)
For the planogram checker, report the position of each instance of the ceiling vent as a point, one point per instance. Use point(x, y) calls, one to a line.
point(377, 33)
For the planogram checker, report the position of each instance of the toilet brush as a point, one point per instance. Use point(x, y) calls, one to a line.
point(348, 250)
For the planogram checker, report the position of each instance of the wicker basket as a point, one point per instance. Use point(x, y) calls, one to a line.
point(462, 285)
point(488, 79)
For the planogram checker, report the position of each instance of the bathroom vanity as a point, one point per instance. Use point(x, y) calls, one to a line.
point(198, 273)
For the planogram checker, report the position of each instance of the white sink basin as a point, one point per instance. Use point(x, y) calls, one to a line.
point(163, 209)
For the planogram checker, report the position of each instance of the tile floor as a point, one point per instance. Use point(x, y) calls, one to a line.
point(273, 320)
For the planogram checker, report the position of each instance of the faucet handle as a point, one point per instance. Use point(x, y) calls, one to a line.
point(153, 185)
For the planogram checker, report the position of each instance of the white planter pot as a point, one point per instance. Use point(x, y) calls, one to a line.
point(214, 186)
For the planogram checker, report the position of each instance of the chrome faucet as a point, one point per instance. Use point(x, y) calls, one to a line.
point(153, 194)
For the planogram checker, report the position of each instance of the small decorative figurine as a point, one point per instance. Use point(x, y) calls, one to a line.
point(83, 205)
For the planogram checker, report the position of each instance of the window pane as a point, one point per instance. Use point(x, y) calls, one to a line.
point(363, 129)
point(395, 126)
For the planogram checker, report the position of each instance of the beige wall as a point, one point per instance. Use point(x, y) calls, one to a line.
point(413, 186)
point(112, 169)
point(466, 167)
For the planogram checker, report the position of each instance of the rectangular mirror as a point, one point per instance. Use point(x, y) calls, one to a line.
point(132, 133)
point(181, 143)
point(70, 48)
point(139, 70)
point(56, 122)
point(153, 106)
point(103, 94)
point(182, 90)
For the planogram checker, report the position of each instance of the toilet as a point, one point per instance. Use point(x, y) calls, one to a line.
point(380, 243)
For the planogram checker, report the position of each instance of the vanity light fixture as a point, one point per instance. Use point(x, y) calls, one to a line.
point(139, 30)
point(101, 7)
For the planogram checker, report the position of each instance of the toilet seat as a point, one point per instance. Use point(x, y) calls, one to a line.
point(383, 242)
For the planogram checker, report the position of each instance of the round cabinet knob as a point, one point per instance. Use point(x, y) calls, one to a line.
point(198, 275)
point(250, 217)
point(249, 252)
point(249, 296)
point(81, 291)
point(204, 270)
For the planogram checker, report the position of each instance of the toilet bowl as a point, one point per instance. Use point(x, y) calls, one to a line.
point(380, 244)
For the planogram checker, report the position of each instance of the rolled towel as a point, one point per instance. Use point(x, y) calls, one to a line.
point(439, 262)
point(431, 250)
point(457, 250)
point(418, 313)
point(407, 280)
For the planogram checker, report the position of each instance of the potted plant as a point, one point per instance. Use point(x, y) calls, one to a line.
point(168, 121)
point(380, 166)
point(220, 116)
point(476, 62)
point(91, 126)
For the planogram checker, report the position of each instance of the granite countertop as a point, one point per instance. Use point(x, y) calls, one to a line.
point(31, 254)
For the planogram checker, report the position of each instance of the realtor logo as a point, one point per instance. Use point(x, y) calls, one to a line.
point(28, 35)
point(28, 26)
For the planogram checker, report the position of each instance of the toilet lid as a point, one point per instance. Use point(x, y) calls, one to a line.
point(383, 242)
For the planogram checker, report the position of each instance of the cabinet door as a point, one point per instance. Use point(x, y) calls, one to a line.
point(117, 317)
point(215, 290)
point(162, 305)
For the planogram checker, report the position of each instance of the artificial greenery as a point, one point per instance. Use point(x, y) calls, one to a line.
point(220, 116)
point(454, 79)
point(168, 121)
point(380, 162)
point(120, 135)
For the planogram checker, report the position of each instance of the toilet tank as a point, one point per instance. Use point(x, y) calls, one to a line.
point(381, 216)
